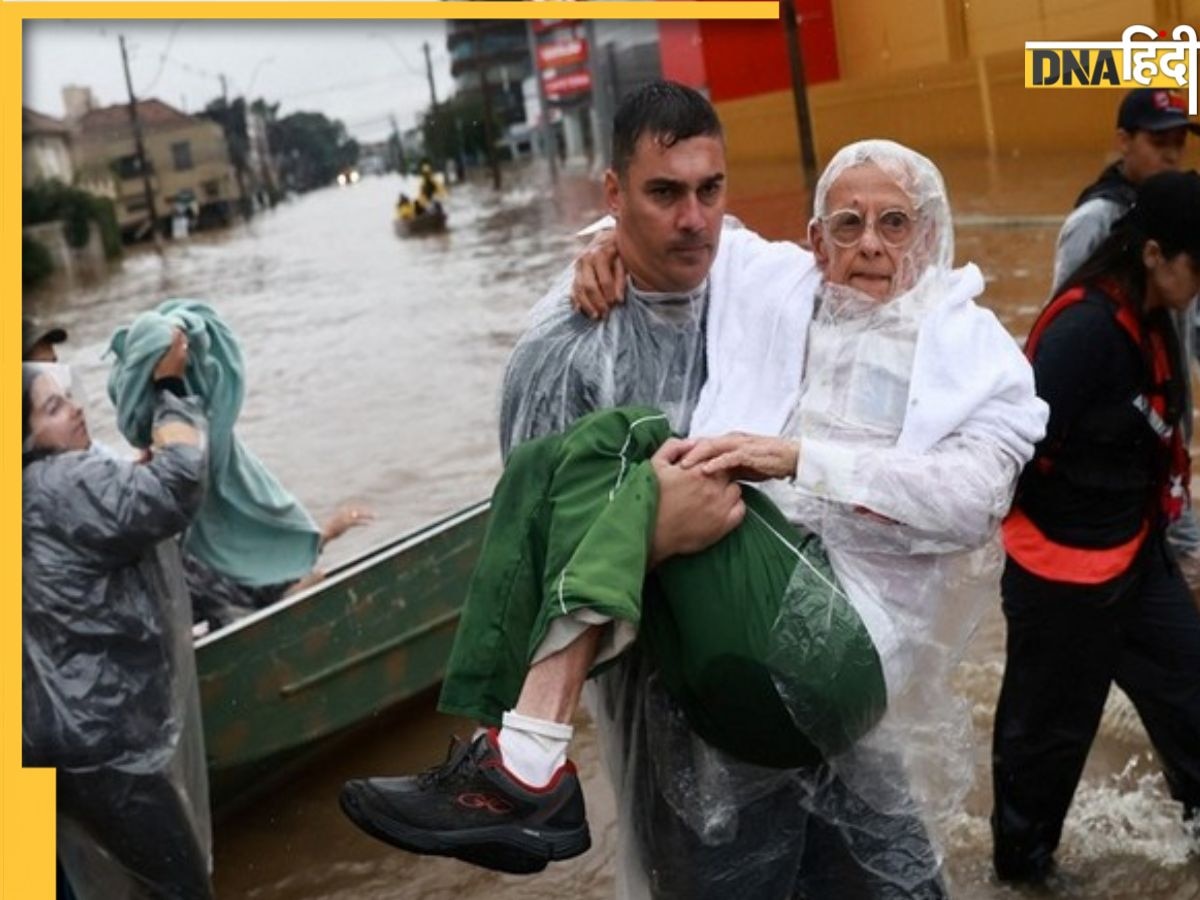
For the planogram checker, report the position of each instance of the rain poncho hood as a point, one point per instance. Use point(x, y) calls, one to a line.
point(250, 527)
point(109, 688)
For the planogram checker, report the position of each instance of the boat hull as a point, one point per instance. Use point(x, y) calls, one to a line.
point(375, 632)
point(426, 223)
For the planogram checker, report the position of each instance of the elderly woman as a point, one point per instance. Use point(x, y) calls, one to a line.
point(789, 640)
point(109, 685)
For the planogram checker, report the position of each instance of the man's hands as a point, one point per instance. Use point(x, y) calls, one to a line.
point(744, 457)
point(599, 283)
point(695, 510)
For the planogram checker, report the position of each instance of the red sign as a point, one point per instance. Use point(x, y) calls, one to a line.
point(562, 53)
point(568, 85)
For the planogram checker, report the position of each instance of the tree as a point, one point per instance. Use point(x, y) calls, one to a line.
point(312, 149)
point(459, 119)
point(232, 119)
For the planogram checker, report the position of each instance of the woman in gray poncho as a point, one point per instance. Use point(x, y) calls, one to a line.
point(109, 683)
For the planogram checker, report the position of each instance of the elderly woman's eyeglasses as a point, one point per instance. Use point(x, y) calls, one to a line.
point(846, 227)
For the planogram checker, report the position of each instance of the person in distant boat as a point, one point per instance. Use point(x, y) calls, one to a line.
point(431, 192)
point(406, 207)
point(110, 697)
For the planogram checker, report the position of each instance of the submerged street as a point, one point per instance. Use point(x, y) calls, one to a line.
point(373, 368)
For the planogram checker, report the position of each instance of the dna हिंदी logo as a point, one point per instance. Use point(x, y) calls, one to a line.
point(1143, 57)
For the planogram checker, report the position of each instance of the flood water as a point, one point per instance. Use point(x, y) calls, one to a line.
point(373, 367)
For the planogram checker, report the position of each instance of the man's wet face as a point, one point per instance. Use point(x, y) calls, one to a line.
point(669, 205)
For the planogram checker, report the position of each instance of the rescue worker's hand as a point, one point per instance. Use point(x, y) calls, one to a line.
point(744, 457)
point(694, 510)
point(174, 362)
point(172, 365)
point(599, 283)
point(347, 516)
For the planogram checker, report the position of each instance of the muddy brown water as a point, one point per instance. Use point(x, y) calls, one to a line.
point(373, 366)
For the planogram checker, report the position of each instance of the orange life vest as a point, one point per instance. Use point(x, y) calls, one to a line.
point(1023, 540)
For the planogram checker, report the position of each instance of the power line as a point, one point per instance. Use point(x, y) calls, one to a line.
point(162, 59)
point(343, 86)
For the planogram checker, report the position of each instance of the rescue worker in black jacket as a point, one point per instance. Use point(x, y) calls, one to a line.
point(1091, 590)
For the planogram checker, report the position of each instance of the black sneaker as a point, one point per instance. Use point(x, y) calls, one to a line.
point(473, 809)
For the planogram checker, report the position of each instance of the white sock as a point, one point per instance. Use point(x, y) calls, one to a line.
point(533, 749)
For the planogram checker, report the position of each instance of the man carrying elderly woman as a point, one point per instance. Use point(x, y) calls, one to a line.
point(783, 672)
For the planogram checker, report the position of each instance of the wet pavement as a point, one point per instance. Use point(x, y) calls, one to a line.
point(373, 368)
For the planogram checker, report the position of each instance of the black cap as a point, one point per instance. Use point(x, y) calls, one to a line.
point(34, 333)
point(1168, 209)
point(1154, 109)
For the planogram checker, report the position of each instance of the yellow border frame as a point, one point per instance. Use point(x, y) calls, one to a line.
point(27, 796)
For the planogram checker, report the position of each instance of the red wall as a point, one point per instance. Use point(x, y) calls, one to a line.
point(741, 59)
point(680, 51)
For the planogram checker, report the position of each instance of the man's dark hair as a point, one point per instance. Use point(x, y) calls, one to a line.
point(668, 111)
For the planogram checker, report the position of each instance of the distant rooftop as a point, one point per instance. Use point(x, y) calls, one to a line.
point(150, 112)
point(33, 122)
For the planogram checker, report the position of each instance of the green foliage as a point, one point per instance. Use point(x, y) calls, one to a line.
point(457, 127)
point(312, 149)
point(53, 201)
point(36, 264)
point(232, 119)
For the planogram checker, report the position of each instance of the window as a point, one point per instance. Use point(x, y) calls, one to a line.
point(129, 166)
point(211, 188)
point(135, 204)
point(181, 154)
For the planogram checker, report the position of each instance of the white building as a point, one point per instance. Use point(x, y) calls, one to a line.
point(45, 149)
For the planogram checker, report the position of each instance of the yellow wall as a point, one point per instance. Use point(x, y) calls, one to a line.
point(880, 37)
point(996, 26)
point(936, 98)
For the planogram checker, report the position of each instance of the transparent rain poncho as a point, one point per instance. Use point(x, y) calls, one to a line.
point(110, 696)
point(649, 351)
point(915, 416)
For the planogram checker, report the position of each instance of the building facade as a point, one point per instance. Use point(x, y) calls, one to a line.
point(45, 149)
point(187, 158)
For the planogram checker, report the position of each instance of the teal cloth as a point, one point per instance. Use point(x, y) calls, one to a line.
point(249, 527)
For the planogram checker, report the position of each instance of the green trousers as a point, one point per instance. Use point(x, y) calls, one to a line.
point(752, 636)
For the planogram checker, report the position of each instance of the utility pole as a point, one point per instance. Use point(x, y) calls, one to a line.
point(433, 100)
point(489, 142)
point(598, 105)
point(401, 161)
point(808, 157)
point(140, 149)
point(549, 143)
point(429, 75)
